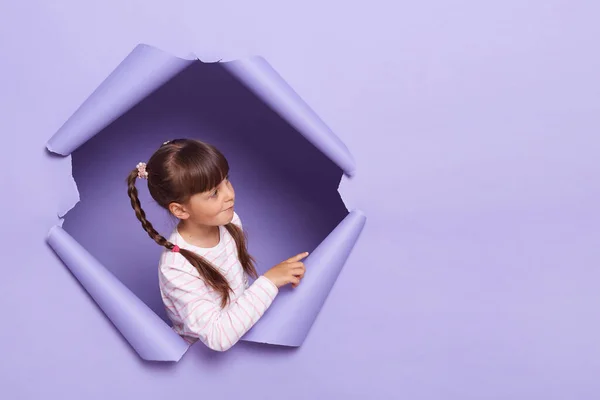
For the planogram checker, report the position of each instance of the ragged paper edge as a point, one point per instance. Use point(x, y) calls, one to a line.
point(194, 56)
point(156, 67)
point(70, 203)
point(70, 200)
point(154, 73)
point(259, 76)
point(73, 198)
point(334, 251)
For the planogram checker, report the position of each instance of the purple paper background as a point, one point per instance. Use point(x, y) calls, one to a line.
point(474, 128)
point(286, 189)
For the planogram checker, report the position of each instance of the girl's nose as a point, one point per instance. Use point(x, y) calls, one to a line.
point(229, 194)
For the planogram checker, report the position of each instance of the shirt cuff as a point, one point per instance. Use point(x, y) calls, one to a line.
point(267, 285)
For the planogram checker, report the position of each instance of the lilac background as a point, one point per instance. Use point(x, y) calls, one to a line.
point(286, 189)
point(474, 128)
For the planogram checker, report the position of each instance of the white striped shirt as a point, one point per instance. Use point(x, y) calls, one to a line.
point(195, 309)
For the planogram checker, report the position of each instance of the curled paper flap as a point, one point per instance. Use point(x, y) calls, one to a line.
point(149, 335)
point(143, 71)
point(293, 312)
point(258, 75)
point(143, 79)
point(146, 69)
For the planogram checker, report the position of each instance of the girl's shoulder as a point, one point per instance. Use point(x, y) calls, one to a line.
point(175, 269)
point(172, 261)
point(236, 219)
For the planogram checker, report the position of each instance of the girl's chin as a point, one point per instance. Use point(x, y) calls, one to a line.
point(227, 215)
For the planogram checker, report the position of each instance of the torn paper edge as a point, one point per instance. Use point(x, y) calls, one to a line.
point(268, 93)
point(146, 69)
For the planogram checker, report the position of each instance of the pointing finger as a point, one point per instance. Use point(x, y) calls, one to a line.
point(297, 257)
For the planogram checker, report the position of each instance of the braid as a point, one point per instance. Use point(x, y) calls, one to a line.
point(141, 215)
point(206, 270)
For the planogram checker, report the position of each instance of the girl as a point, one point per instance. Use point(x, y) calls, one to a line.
point(204, 269)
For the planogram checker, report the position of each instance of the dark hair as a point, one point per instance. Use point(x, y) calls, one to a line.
point(177, 170)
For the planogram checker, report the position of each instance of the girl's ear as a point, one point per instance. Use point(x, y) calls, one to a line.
point(179, 211)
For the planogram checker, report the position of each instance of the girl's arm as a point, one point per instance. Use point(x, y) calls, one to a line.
point(202, 317)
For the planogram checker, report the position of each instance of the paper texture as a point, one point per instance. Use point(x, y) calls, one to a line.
point(146, 68)
point(289, 319)
point(143, 74)
point(268, 85)
point(151, 338)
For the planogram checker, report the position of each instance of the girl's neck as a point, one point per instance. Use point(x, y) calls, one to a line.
point(199, 235)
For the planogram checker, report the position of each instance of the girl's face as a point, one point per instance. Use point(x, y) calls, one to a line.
point(211, 208)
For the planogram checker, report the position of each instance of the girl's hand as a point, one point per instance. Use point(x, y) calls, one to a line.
point(288, 271)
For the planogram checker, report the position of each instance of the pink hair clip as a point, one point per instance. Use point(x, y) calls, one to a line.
point(141, 167)
point(175, 249)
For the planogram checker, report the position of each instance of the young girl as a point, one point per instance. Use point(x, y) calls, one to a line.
point(204, 269)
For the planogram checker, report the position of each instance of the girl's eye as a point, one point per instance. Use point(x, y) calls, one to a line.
point(216, 192)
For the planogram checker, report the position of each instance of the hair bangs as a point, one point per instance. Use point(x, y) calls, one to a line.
point(202, 171)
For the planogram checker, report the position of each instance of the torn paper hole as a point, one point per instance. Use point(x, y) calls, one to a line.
point(286, 166)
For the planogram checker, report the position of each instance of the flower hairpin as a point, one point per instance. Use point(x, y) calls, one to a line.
point(167, 142)
point(142, 173)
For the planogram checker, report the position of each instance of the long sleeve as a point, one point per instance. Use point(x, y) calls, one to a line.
point(199, 311)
